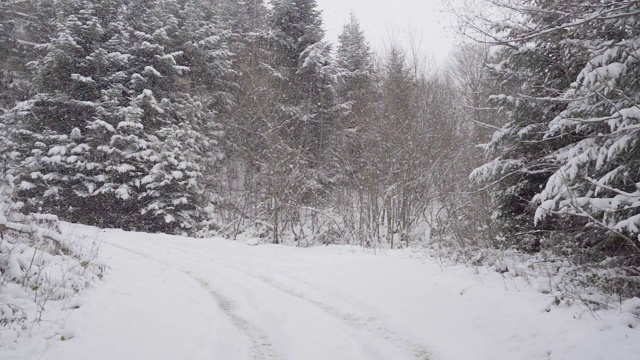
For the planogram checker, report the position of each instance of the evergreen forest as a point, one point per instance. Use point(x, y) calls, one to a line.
point(240, 119)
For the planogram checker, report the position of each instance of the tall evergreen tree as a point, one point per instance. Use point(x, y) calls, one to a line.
point(564, 164)
point(307, 74)
point(120, 118)
point(531, 71)
point(294, 120)
point(596, 174)
point(297, 25)
point(248, 27)
point(8, 44)
point(24, 26)
point(356, 72)
point(357, 93)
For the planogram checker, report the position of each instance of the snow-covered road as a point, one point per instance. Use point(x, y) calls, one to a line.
point(179, 298)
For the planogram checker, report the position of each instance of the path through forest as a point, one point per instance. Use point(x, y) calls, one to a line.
point(169, 297)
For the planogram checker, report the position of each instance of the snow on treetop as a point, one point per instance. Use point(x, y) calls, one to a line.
point(150, 70)
point(129, 124)
point(83, 79)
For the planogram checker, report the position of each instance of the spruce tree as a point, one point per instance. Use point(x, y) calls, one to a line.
point(296, 122)
point(122, 117)
point(297, 25)
point(307, 76)
point(596, 173)
point(356, 89)
point(8, 44)
point(530, 72)
point(355, 71)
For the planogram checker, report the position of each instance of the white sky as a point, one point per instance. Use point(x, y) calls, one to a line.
point(383, 20)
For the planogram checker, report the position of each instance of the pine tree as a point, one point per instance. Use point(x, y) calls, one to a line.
point(307, 77)
point(297, 26)
point(125, 122)
point(249, 33)
point(356, 72)
point(596, 173)
point(530, 73)
point(8, 44)
point(294, 117)
point(357, 95)
point(48, 126)
point(24, 26)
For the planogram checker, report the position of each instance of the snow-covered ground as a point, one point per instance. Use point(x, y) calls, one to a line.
point(169, 297)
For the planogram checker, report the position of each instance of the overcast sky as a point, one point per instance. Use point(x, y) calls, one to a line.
point(385, 19)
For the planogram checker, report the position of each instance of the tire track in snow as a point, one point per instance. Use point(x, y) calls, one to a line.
point(261, 347)
point(419, 351)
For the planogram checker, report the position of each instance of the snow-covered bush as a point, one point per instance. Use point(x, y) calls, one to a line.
point(38, 263)
point(564, 169)
point(592, 286)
